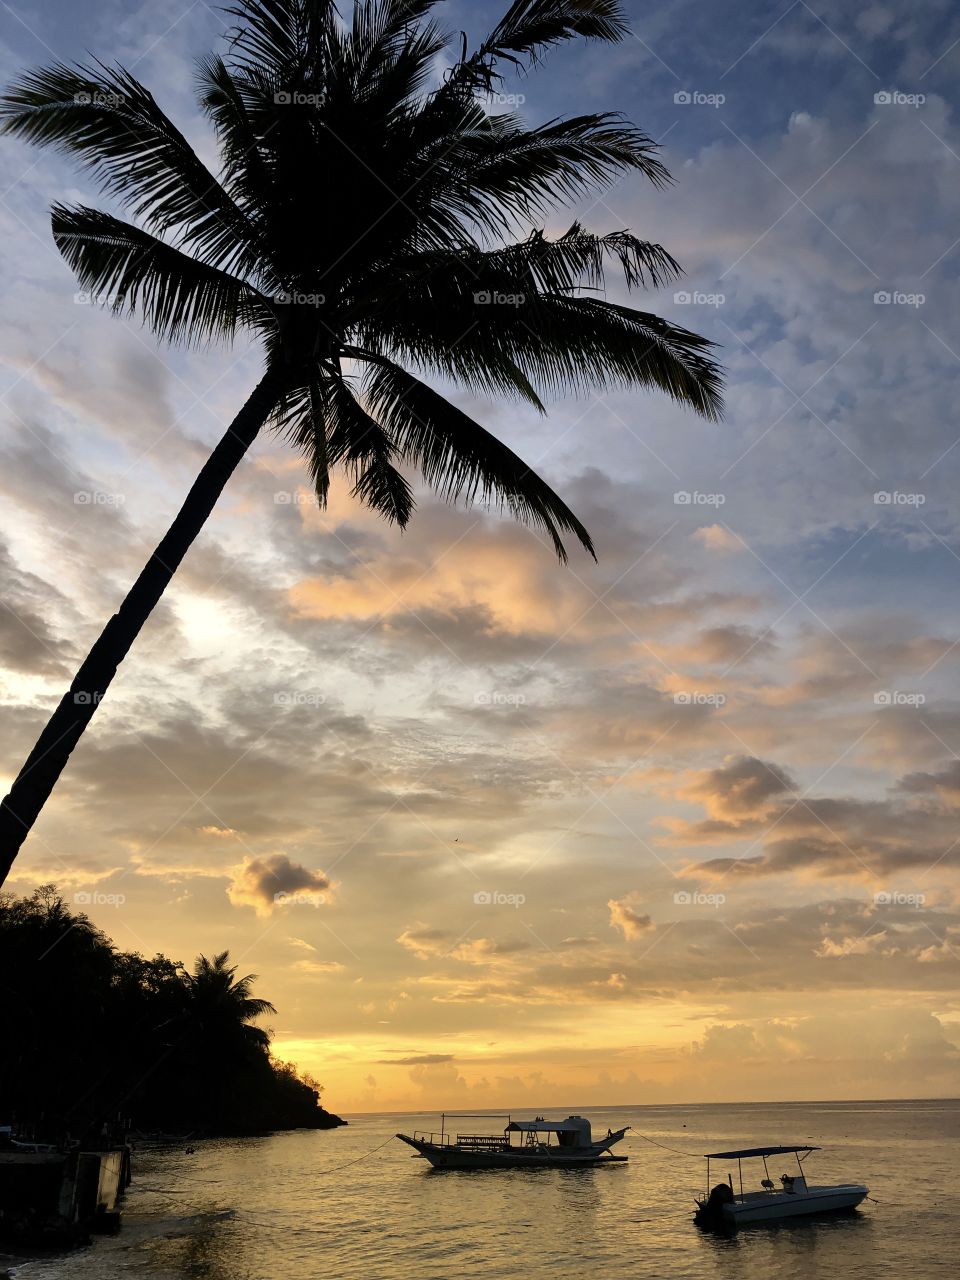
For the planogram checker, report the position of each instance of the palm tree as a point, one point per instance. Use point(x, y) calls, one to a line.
point(364, 218)
point(220, 1006)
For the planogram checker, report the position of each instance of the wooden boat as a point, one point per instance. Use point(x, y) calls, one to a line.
point(724, 1207)
point(539, 1144)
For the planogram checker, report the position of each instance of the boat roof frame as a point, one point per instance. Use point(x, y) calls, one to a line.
point(537, 1125)
point(747, 1152)
point(544, 1126)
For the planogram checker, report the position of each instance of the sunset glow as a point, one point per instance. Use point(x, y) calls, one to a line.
point(493, 830)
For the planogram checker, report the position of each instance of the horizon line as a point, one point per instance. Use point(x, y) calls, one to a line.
point(627, 1106)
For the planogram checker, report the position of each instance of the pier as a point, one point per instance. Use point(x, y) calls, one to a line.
point(51, 1197)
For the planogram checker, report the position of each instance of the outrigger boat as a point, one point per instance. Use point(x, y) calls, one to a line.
point(540, 1144)
point(723, 1207)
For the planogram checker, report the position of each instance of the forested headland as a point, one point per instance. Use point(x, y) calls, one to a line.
point(93, 1035)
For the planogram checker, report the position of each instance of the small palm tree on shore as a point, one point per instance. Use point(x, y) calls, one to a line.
point(222, 1006)
point(364, 223)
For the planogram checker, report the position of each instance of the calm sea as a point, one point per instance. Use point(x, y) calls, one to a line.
point(286, 1208)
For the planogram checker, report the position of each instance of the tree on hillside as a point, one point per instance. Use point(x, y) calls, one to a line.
point(92, 1033)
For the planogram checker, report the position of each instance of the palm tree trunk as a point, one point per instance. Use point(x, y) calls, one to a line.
point(65, 727)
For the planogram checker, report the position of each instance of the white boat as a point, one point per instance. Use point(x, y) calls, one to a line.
point(794, 1197)
point(539, 1144)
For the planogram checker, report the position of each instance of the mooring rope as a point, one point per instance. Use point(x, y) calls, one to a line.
point(335, 1168)
point(674, 1150)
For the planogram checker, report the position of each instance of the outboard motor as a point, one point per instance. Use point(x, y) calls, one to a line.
point(710, 1213)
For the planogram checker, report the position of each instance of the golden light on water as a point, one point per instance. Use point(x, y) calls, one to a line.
point(493, 830)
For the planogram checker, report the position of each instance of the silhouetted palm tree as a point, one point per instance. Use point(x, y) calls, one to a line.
point(215, 988)
point(364, 225)
point(91, 1032)
point(220, 1005)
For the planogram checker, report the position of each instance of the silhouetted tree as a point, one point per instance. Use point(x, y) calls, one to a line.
point(91, 1032)
point(362, 227)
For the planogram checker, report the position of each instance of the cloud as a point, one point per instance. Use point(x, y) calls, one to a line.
point(729, 645)
point(743, 787)
point(417, 1060)
point(945, 783)
point(440, 1082)
point(429, 943)
point(266, 883)
point(875, 1045)
point(630, 923)
point(717, 537)
point(318, 966)
point(485, 951)
point(864, 945)
point(47, 870)
point(425, 941)
point(728, 1042)
point(28, 643)
point(822, 836)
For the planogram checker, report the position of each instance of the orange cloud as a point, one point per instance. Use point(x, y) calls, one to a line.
point(267, 883)
point(505, 576)
point(717, 537)
point(424, 941)
point(630, 923)
point(742, 787)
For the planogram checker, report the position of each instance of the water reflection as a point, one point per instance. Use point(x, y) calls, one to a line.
point(840, 1245)
point(271, 1210)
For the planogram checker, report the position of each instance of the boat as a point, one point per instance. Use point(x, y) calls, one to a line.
point(9, 1143)
point(523, 1144)
point(723, 1207)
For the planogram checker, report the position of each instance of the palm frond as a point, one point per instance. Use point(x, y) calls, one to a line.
point(385, 490)
point(527, 172)
point(473, 322)
point(389, 72)
point(531, 26)
point(281, 37)
point(527, 30)
point(114, 125)
point(327, 423)
point(382, 30)
point(629, 347)
point(494, 173)
point(577, 259)
point(358, 441)
point(179, 297)
point(246, 173)
point(459, 459)
point(318, 446)
point(254, 1007)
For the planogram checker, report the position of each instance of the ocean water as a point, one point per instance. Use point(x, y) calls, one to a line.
point(293, 1207)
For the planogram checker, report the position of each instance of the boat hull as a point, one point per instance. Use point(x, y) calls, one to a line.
point(449, 1156)
point(815, 1200)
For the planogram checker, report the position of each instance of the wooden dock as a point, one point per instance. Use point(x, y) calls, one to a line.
point(61, 1197)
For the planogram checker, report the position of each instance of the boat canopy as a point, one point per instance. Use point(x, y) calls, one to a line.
point(572, 1124)
point(757, 1151)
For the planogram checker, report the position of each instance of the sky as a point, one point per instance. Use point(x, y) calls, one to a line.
point(677, 826)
